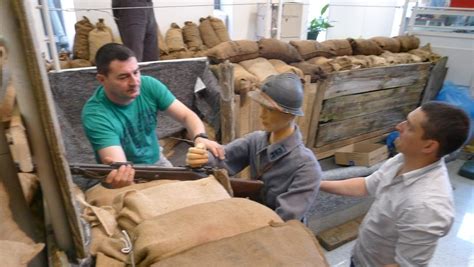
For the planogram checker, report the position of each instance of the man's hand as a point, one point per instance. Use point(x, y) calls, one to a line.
point(197, 156)
point(121, 177)
point(216, 149)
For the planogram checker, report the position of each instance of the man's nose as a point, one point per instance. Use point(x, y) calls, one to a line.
point(399, 126)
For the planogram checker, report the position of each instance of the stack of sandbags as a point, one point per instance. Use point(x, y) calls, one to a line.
point(408, 42)
point(244, 81)
point(162, 47)
point(322, 62)
point(312, 70)
point(172, 233)
point(387, 43)
point(276, 49)
point(174, 40)
point(234, 51)
point(98, 37)
point(81, 39)
point(213, 31)
point(338, 47)
point(400, 58)
point(260, 67)
point(309, 49)
point(64, 59)
point(365, 47)
point(192, 37)
point(282, 67)
point(425, 53)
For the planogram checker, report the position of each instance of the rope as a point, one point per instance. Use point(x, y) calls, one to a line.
point(128, 247)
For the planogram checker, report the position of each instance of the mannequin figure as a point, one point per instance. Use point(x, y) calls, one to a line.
point(277, 156)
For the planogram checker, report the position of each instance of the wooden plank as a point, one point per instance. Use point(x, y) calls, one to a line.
point(315, 113)
point(309, 96)
point(254, 116)
point(244, 117)
point(330, 149)
point(340, 130)
point(365, 80)
point(237, 103)
point(20, 149)
point(435, 80)
point(350, 106)
point(225, 75)
point(339, 235)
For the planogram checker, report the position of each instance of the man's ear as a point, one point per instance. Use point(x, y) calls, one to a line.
point(431, 146)
point(100, 77)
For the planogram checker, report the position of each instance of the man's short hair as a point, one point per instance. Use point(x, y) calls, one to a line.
point(110, 52)
point(446, 124)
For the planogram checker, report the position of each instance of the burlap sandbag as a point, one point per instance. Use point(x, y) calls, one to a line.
point(364, 47)
point(342, 63)
point(282, 67)
point(208, 35)
point(133, 207)
point(244, 81)
point(177, 231)
point(376, 61)
point(322, 62)
point(260, 67)
point(100, 196)
point(19, 254)
point(234, 51)
point(359, 61)
point(220, 29)
point(400, 58)
point(98, 37)
point(81, 39)
point(276, 49)
point(387, 43)
point(191, 36)
point(281, 244)
point(408, 42)
point(309, 49)
point(338, 47)
point(314, 71)
point(162, 47)
point(174, 38)
point(105, 261)
point(79, 63)
point(425, 53)
point(64, 60)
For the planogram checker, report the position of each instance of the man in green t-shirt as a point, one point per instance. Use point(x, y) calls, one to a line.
point(120, 117)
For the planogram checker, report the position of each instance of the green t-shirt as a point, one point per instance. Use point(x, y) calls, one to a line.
point(132, 126)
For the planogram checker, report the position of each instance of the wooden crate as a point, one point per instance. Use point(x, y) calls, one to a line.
point(359, 105)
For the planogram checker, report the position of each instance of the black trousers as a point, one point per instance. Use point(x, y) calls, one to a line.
point(138, 28)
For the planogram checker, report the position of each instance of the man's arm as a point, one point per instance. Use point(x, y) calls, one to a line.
point(124, 175)
point(179, 112)
point(354, 187)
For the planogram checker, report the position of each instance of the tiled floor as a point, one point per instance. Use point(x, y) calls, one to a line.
point(454, 250)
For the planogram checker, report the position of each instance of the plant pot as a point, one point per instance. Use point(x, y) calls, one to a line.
point(312, 35)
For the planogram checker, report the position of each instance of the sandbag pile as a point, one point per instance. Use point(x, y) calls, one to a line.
point(173, 222)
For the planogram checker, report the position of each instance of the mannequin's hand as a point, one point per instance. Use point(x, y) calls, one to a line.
point(197, 156)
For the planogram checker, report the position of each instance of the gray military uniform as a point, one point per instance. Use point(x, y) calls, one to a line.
point(290, 172)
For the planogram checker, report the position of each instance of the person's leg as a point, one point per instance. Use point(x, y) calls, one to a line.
point(150, 45)
point(132, 24)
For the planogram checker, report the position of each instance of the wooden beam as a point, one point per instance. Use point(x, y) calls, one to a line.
point(309, 96)
point(316, 112)
point(19, 143)
point(7, 103)
point(435, 80)
point(225, 75)
point(365, 80)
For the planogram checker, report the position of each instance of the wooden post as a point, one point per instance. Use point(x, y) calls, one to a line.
point(308, 101)
point(435, 80)
point(225, 75)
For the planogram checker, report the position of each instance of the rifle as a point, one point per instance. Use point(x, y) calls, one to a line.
point(236, 186)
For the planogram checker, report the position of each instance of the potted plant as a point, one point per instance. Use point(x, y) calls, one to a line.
point(318, 24)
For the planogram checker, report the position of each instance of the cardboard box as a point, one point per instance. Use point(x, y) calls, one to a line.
point(361, 154)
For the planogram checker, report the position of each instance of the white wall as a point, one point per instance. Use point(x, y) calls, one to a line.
point(361, 18)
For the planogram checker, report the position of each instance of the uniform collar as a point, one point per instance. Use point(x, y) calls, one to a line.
point(277, 150)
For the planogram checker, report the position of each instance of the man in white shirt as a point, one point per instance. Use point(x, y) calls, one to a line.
point(413, 204)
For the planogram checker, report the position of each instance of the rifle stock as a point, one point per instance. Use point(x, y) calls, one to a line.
point(240, 187)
